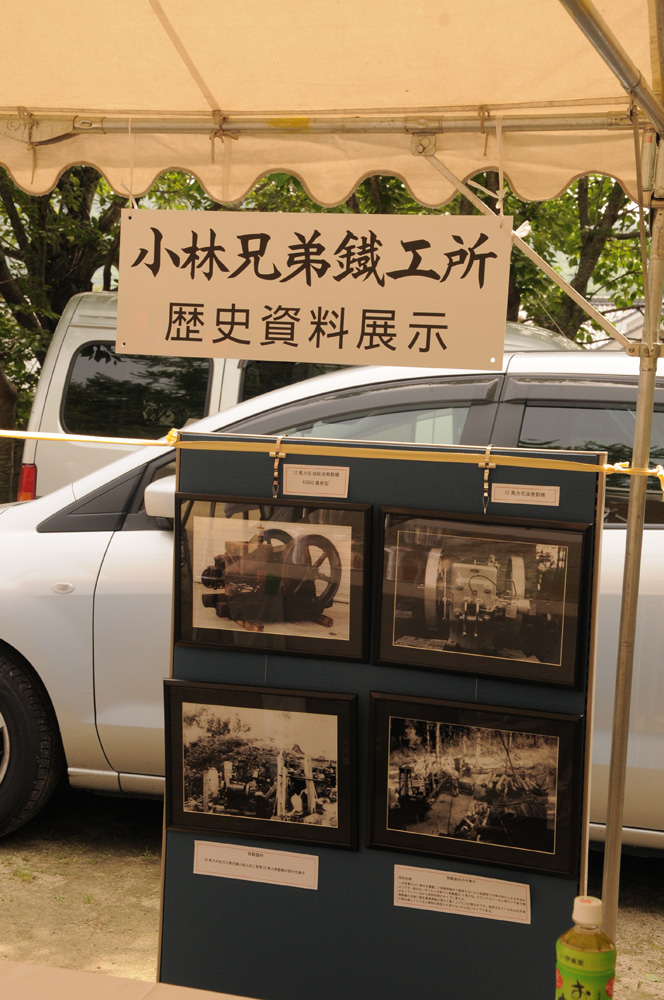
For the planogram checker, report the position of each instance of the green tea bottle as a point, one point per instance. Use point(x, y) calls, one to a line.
point(586, 958)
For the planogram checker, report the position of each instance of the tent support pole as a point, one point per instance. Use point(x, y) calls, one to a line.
point(630, 592)
point(590, 22)
point(598, 33)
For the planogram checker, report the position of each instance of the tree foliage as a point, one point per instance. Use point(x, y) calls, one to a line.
point(590, 235)
point(50, 248)
point(54, 246)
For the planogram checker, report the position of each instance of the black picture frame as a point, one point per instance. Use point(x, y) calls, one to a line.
point(267, 763)
point(491, 597)
point(279, 576)
point(485, 784)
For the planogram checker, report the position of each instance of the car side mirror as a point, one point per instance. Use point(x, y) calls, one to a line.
point(159, 499)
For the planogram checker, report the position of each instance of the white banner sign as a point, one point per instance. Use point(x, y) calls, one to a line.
point(347, 289)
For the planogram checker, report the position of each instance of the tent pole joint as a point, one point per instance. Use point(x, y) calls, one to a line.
point(423, 144)
point(641, 350)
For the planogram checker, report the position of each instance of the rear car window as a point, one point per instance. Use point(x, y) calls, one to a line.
point(263, 376)
point(125, 395)
point(598, 429)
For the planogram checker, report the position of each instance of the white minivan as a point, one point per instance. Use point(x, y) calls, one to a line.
point(85, 388)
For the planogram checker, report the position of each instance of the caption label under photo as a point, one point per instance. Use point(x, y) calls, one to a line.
point(329, 481)
point(467, 895)
point(538, 496)
point(253, 864)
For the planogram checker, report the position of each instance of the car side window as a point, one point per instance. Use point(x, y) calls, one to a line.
point(587, 428)
point(125, 395)
point(432, 425)
point(440, 411)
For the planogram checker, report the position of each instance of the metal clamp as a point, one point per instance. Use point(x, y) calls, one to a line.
point(276, 455)
point(641, 350)
point(487, 466)
point(423, 144)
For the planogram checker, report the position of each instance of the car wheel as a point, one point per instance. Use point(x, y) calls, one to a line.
point(31, 756)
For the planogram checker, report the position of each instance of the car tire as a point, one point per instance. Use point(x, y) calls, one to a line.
point(31, 756)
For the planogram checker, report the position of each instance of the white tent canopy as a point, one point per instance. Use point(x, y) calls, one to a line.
point(329, 90)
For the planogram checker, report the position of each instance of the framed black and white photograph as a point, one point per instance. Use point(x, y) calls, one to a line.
point(494, 785)
point(261, 762)
point(485, 597)
point(275, 575)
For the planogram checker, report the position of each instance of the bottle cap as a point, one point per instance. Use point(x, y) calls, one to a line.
point(587, 910)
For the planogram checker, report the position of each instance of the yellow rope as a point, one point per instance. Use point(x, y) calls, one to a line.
point(173, 440)
point(87, 438)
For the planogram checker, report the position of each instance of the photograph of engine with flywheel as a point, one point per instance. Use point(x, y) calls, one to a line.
point(274, 577)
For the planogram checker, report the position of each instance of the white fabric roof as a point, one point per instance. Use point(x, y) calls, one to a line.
point(271, 66)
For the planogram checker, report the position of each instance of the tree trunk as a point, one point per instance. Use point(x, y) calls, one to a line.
point(593, 241)
point(513, 299)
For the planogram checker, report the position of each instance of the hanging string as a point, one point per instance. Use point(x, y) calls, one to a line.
point(218, 132)
point(501, 175)
point(483, 112)
point(27, 117)
point(130, 189)
point(499, 195)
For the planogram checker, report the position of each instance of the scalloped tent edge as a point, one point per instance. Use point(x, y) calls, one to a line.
point(328, 92)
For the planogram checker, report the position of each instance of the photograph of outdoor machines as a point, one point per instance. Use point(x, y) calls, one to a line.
point(275, 575)
point(485, 597)
point(479, 782)
point(262, 762)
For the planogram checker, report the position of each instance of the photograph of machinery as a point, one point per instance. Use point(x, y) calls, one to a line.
point(248, 762)
point(260, 761)
point(488, 785)
point(273, 575)
point(480, 597)
point(474, 782)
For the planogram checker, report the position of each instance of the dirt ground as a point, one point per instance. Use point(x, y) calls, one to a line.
point(79, 889)
point(79, 886)
point(640, 932)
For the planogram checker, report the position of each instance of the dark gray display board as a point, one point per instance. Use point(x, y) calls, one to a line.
point(348, 938)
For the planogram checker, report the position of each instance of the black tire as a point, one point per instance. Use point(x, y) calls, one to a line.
point(31, 756)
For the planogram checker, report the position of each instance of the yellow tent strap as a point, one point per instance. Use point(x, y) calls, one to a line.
point(173, 440)
point(87, 438)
